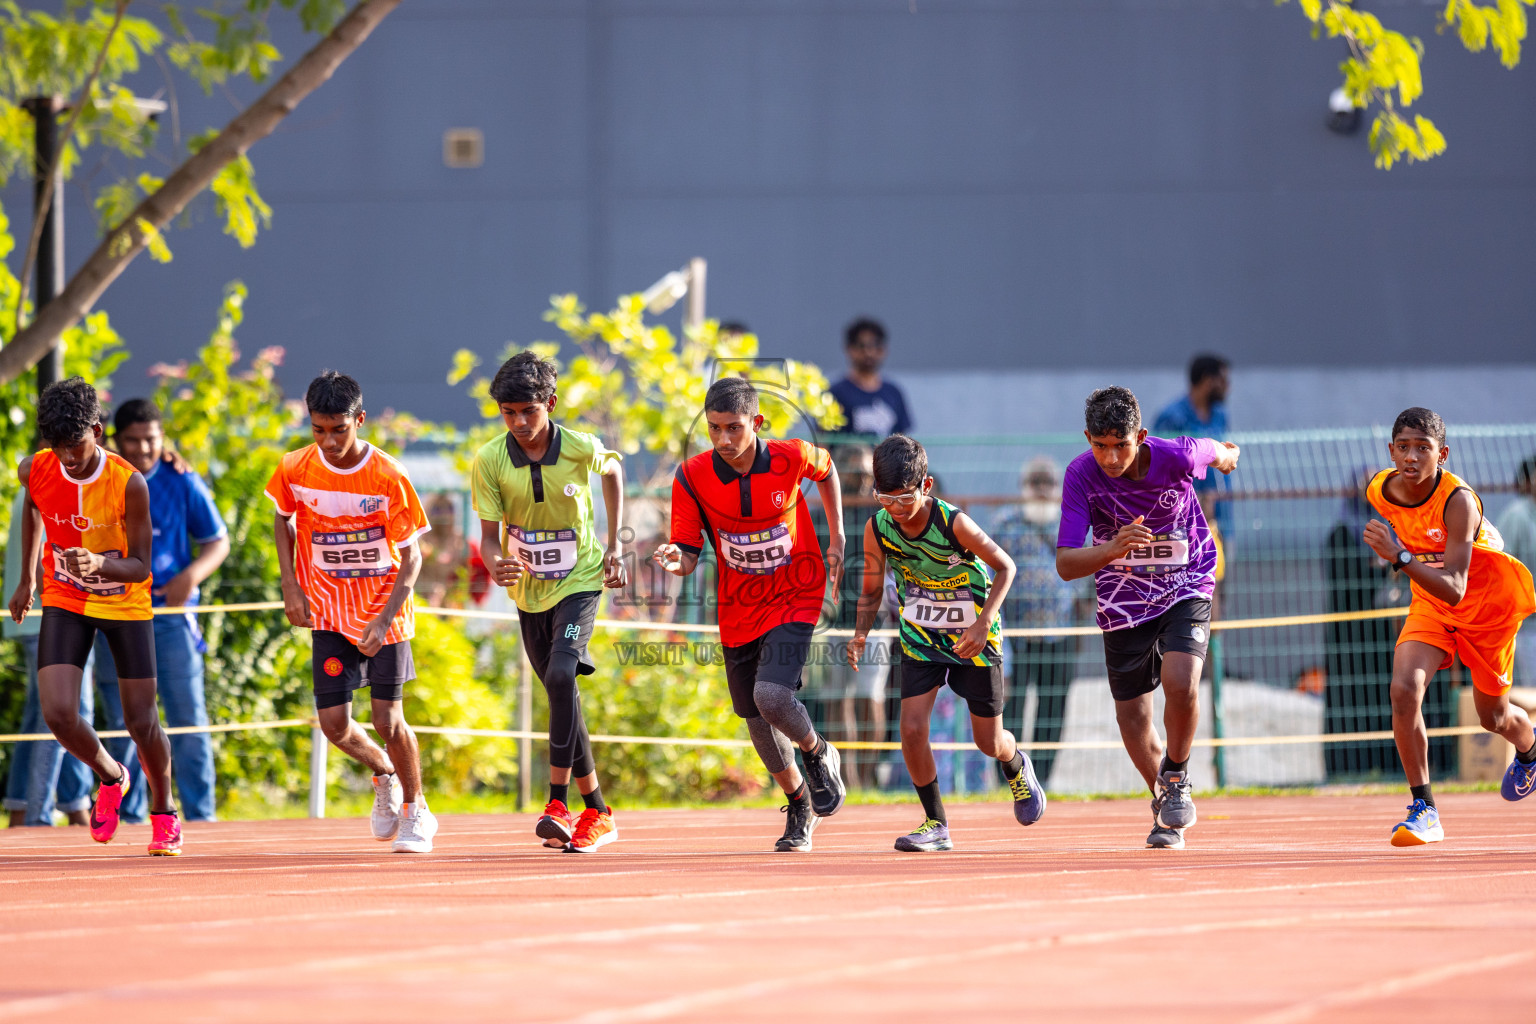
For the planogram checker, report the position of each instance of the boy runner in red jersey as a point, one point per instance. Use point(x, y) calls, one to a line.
point(1469, 599)
point(744, 495)
point(94, 508)
point(347, 523)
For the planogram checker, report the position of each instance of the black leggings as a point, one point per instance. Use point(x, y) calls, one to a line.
point(569, 746)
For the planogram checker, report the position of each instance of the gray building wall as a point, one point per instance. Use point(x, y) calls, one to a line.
point(1047, 185)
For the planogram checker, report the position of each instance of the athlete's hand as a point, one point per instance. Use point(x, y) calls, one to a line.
point(1131, 535)
point(972, 641)
point(81, 562)
point(296, 606)
point(1380, 539)
point(373, 637)
point(507, 571)
point(856, 649)
point(1226, 461)
point(21, 601)
point(670, 558)
point(178, 590)
point(835, 546)
point(615, 576)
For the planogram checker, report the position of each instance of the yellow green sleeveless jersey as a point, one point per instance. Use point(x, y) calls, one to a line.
point(941, 587)
point(545, 509)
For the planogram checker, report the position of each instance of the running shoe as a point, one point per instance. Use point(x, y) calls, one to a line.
point(104, 813)
point(824, 778)
point(1028, 794)
point(387, 797)
point(929, 837)
point(166, 838)
point(1173, 806)
point(556, 825)
point(1421, 826)
point(594, 830)
point(1519, 780)
point(1164, 838)
point(417, 827)
point(798, 827)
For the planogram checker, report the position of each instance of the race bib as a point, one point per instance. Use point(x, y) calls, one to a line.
point(939, 611)
point(1166, 553)
point(352, 554)
point(98, 585)
point(758, 553)
point(550, 553)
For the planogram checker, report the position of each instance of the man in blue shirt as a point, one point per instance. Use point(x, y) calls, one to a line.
point(1203, 413)
point(874, 406)
point(184, 516)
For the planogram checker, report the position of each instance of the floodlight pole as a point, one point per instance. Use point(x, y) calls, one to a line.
point(689, 281)
point(698, 270)
point(49, 274)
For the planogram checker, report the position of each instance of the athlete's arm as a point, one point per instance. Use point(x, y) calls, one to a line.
point(832, 503)
point(614, 574)
point(295, 603)
point(1075, 563)
point(31, 546)
point(133, 565)
point(505, 571)
point(1448, 583)
point(974, 640)
point(870, 596)
point(405, 578)
point(677, 560)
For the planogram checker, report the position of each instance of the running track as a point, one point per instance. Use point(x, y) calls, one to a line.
point(1281, 909)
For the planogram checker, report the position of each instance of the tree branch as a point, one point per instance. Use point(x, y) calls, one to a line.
point(40, 214)
point(129, 238)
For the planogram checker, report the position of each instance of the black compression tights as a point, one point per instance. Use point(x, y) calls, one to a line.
point(568, 743)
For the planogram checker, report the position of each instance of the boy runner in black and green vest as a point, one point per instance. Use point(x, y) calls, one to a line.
point(532, 494)
point(950, 631)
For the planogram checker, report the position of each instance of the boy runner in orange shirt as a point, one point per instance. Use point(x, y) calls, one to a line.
point(94, 508)
point(347, 523)
point(1469, 599)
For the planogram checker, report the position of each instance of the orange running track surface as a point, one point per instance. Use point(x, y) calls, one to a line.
point(1280, 909)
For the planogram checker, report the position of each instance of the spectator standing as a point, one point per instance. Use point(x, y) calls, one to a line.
point(41, 777)
point(1202, 412)
point(1518, 526)
point(1040, 599)
point(184, 516)
point(874, 406)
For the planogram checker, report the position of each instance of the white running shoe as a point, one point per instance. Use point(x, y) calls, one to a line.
point(387, 796)
point(417, 827)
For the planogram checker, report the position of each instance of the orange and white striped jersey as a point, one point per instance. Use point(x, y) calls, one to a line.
point(90, 514)
point(351, 525)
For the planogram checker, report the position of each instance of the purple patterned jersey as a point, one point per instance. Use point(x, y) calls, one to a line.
point(1180, 563)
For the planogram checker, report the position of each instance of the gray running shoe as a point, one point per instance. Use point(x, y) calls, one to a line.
point(1165, 838)
point(824, 778)
point(416, 830)
point(385, 818)
point(798, 826)
point(1173, 806)
point(928, 837)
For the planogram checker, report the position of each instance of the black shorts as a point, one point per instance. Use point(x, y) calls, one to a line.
point(65, 638)
point(1134, 656)
point(778, 656)
point(341, 668)
point(565, 627)
point(982, 686)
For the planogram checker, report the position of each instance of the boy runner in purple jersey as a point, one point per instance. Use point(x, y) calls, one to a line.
point(1132, 499)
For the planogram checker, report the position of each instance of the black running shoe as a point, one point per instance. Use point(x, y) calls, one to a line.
point(798, 827)
point(824, 778)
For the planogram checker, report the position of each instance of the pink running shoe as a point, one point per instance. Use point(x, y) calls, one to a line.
point(104, 810)
point(166, 841)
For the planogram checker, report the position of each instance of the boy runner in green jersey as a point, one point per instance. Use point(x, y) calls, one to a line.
point(532, 494)
point(950, 631)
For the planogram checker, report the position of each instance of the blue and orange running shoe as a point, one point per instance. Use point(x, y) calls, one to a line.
point(104, 811)
point(165, 839)
point(1519, 780)
point(1421, 826)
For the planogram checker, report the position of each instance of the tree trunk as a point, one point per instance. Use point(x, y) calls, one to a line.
point(125, 241)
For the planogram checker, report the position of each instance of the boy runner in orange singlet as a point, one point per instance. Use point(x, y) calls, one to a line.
point(1469, 599)
point(347, 524)
point(94, 508)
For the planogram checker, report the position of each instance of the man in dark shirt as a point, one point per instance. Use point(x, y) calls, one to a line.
point(874, 406)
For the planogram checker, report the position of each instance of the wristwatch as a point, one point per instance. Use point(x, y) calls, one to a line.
point(1401, 559)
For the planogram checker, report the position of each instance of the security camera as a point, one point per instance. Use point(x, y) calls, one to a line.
point(1343, 115)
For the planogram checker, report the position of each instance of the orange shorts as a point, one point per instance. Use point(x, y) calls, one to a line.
point(1489, 654)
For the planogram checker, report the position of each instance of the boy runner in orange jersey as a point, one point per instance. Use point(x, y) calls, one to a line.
point(347, 524)
point(94, 508)
point(1469, 599)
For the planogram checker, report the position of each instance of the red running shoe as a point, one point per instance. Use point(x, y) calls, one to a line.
point(556, 826)
point(166, 841)
point(594, 830)
point(104, 809)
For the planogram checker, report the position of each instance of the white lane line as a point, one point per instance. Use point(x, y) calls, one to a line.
point(1390, 987)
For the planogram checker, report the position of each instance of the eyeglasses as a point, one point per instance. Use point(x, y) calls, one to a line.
point(899, 500)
